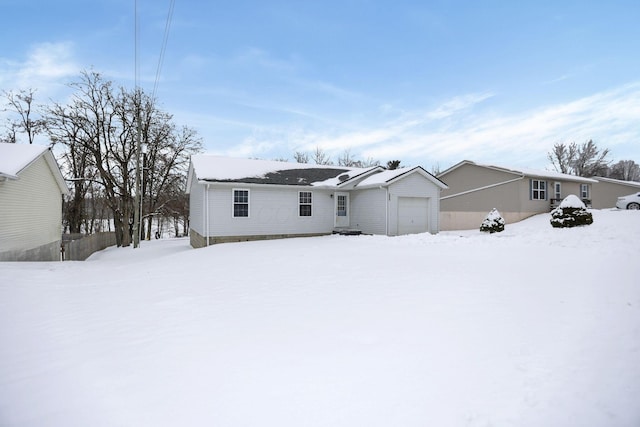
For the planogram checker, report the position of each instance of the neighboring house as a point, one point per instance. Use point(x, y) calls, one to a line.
point(31, 190)
point(607, 190)
point(475, 189)
point(243, 199)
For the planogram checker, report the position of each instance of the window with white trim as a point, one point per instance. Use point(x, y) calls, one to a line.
point(538, 189)
point(305, 199)
point(240, 203)
point(584, 191)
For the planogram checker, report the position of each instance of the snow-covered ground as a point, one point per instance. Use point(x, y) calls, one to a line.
point(534, 326)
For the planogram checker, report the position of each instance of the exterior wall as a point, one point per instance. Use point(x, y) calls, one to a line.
point(369, 210)
point(196, 207)
point(469, 177)
point(605, 194)
point(512, 196)
point(415, 185)
point(31, 215)
point(272, 211)
point(198, 241)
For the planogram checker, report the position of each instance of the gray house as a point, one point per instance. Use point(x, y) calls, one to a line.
point(243, 199)
point(607, 190)
point(31, 190)
point(518, 193)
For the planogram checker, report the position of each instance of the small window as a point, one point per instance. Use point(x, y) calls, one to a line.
point(341, 209)
point(305, 203)
point(240, 203)
point(584, 191)
point(538, 189)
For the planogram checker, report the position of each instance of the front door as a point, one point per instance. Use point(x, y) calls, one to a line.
point(342, 210)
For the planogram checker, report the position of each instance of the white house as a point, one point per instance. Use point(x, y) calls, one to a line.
point(31, 190)
point(242, 199)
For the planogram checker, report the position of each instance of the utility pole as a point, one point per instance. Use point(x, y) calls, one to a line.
point(138, 101)
point(138, 199)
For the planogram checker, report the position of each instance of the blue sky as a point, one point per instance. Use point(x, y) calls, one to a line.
point(429, 83)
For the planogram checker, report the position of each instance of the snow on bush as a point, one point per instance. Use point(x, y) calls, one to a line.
point(571, 213)
point(493, 223)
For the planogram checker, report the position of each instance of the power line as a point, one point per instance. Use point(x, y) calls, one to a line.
point(163, 48)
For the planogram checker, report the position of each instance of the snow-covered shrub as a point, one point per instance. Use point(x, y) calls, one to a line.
point(493, 223)
point(571, 213)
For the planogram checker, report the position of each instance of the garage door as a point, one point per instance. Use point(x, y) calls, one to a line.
point(413, 215)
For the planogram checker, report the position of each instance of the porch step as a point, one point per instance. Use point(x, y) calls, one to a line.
point(347, 232)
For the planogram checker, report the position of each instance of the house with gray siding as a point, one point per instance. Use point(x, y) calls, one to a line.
point(31, 191)
point(244, 199)
point(517, 193)
point(607, 190)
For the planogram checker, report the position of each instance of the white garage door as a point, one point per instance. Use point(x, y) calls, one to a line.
point(413, 215)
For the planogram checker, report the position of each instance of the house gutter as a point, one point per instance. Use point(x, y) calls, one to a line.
point(482, 188)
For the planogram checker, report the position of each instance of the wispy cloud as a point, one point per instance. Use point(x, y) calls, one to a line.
point(44, 68)
point(458, 104)
point(461, 129)
point(557, 79)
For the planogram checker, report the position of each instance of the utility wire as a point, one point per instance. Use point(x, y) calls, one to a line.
point(136, 37)
point(163, 48)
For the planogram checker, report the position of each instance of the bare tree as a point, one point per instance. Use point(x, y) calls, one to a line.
point(590, 161)
point(99, 130)
point(563, 156)
point(626, 170)
point(582, 160)
point(320, 157)
point(347, 159)
point(22, 103)
point(301, 157)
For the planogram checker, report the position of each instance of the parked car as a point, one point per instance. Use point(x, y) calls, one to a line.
point(632, 201)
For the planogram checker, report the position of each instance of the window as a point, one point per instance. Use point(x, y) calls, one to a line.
point(584, 191)
point(240, 203)
point(538, 189)
point(305, 203)
point(341, 209)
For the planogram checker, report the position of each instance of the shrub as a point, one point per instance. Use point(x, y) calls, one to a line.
point(571, 213)
point(493, 223)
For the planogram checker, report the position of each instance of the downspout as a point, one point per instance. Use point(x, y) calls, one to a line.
point(206, 209)
point(481, 188)
point(386, 212)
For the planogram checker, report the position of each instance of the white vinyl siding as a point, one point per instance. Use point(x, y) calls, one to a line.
point(196, 207)
point(369, 210)
point(272, 210)
point(30, 209)
point(415, 186)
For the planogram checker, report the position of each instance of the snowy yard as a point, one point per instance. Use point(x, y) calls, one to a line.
point(534, 326)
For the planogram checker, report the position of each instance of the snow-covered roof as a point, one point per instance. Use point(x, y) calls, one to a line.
point(525, 172)
point(387, 176)
point(226, 169)
point(15, 157)
point(618, 181)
